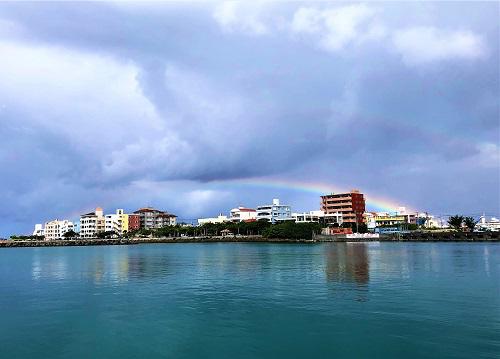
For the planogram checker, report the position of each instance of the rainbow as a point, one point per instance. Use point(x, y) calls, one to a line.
point(373, 202)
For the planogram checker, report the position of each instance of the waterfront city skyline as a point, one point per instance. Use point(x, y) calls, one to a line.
point(197, 108)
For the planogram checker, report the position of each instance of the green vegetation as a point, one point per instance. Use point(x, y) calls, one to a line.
point(208, 229)
point(470, 223)
point(459, 222)
point(107, 235)
point(70, 234)
point(27, 238)
point(360, 227)
point(292, 230)
point(455, 222)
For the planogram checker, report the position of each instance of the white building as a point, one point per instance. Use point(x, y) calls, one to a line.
point(219, 219)
point(318, 217)
point(38, 230)
point(56, 229)
point(92, 223)
point(492, 225)
point(113, 222)
point(430, 221)
point(243, 214)
point(274, 212)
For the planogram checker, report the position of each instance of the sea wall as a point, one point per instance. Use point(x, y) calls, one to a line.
point(132, 241)
point(407, 237)
point(419, 237)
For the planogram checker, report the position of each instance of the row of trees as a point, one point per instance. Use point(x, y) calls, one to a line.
point(459, 223)
point(208, 229)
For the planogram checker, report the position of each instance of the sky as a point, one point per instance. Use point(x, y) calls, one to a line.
point(196, 108)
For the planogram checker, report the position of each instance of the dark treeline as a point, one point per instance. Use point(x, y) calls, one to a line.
point(286, 230)
point(208, 229)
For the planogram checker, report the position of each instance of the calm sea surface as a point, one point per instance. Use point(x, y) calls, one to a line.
point(227, 300)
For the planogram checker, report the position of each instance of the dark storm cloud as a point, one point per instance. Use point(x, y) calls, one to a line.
point(103, 102)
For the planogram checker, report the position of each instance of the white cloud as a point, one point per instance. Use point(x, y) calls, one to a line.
point(235, 16)
point(489, 155)
point(92, 99)
point(421, 45)
point(336, 28)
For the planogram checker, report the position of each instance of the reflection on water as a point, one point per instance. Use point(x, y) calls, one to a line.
point(347, 262)
point(99, 265)
point(230, 299)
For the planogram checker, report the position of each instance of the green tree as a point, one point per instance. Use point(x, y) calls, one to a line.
point(70, 234)
point(455, 222)
point(470, 223)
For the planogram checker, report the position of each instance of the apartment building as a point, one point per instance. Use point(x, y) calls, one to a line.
point(92, 223)
point(219, 219)
point(154, 218)
point(243, 214)
point(351, 205)
point(318, 217)
point(38, 231)
point(274, 212)
point(113, 222)
point(56, 229)
point(133, 222)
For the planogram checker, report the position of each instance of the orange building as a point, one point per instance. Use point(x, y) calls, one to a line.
point(351, 205)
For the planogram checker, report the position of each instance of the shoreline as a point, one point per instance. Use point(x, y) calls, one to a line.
point(421, 237)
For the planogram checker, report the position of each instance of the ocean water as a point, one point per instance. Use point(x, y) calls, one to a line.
point(228, 300)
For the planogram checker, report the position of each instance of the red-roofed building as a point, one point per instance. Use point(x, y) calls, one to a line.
point(243, 214)
point(154, 218)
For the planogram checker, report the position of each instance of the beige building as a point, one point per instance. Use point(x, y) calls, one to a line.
point(219, 219)
point(243, 214)
point(56, 229)
point(92, 223)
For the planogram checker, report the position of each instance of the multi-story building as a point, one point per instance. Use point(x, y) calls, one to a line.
point(387, 219)
point(56, 229)
point(154, 218)
point(92, 223)
point(123, 222)
point(219, 219)
point(351, 205)
point(134, 222)
point(492, 225)
point(410, 216)
point(274, 212)
point(243, 214)
point(38, 230)
point(113, 222)
point(318, 217)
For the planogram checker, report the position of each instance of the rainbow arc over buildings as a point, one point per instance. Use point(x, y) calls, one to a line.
point(373, 202)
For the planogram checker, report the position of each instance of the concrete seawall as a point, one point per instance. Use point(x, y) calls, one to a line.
point(133, 241)
point(419, 237)
point(409, 237)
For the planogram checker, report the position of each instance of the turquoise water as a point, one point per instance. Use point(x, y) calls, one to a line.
point(227, 300)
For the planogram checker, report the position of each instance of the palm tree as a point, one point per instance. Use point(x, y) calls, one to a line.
point(456, 222)
point(470, 223)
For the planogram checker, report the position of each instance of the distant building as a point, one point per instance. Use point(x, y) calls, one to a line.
point(410, 217)
point(387, 219)
point(351, 205)
point(335, 231)
point(154, 218)
point(113, 222)
point(274, 212)
point(56, 229)
point(492, 225)
point(243, 214)
point(219, 219)
point(92, 223)
point(318, 217)
point(134, 222)
point(38, 230)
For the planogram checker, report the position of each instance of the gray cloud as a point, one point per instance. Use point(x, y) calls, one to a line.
point(127, 105)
